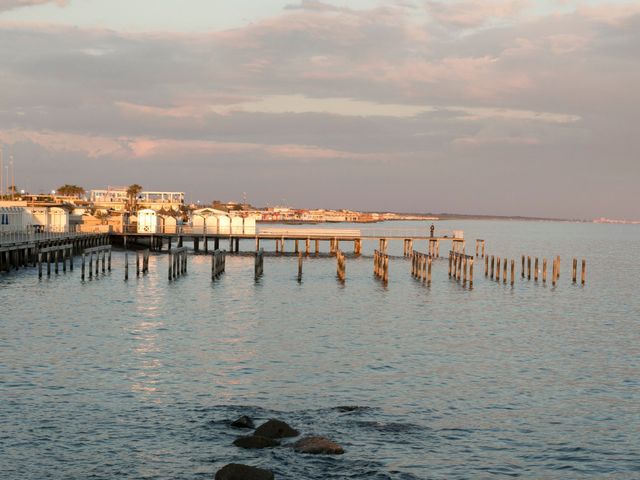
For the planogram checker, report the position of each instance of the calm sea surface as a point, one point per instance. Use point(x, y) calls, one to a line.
point(107, 379)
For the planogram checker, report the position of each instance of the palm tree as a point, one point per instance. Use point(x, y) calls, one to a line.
point(71, 190)
point(132, 192)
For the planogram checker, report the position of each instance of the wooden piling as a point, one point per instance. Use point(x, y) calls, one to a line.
point(429, 270)
point(574, 270)
point(498, 269)
point(584, 271)
point(513, 272)
point(299, 267)
point(544, 270)
point(535, 270)
point(528, 268)
point(522, 266)
point(504, 272)
point(492, 266)
point(486, 265)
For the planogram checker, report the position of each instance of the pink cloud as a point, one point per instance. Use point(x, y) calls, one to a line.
point(474, 13)
point(12, 4)
point(95, 146)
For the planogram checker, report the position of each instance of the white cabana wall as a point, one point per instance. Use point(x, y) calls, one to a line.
point(211, 224)
point(148, 221)
point(168, 223)
point(38, 216)
point(58, 220)
point(224, 224)
point(237, 225)
point(13, 219)
point(249, 226)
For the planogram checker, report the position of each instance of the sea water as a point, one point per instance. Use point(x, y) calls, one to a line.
point(140, 379)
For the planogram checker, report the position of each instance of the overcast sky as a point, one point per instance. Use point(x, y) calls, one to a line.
point(515, 107)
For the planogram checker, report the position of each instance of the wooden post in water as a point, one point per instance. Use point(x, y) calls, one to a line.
point(83, 261)
point(544, 270)
point(126, 265)
point(429, 270)
point(90, 265)
point(528, 268)
point(504, 272)
point(464, 270)
point(498, 269)
point(299, 267)
point(486, 266)
point(471, 272)
point(513, 272)
point(169, 271)
point(522, 266)
point(450, 259)
point(296, 248)
point(492, 266)
point(584, 271)
point(307, 246)
point(558, 268)
point(386, 267)
point(574, 270)
point(535, 270)
point(554, 272)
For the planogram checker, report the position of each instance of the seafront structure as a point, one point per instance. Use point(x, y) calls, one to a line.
point(118, 198)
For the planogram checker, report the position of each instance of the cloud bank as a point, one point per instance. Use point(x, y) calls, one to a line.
point(425, 106)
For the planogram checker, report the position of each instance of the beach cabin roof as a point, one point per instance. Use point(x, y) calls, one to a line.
point(208, 211)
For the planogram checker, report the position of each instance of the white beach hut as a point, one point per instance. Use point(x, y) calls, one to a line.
point(12, 219)
point(224, 224)
point(237, 225)
point(168, 223)
point(249, 226)
point(58, 219)
point(148, 221)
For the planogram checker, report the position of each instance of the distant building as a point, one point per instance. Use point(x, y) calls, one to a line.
point(116, 198)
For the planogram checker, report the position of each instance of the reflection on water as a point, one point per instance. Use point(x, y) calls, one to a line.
point(138, 379)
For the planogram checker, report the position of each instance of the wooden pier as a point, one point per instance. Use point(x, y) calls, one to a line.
point(302, 240)
point(25, 250)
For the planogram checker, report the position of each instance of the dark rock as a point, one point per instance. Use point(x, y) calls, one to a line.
point(243, 422)
point(318, 445)
point(237, 471)
point(276, 429)
point(255, 441)
point(350, 408)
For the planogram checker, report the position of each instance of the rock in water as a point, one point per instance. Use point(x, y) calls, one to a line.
point(237, 471)
point(276, 429)
point(255, 441)
point(318, 445)
point(243, 422)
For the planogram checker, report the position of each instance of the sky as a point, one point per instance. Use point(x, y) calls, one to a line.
point(506, 107)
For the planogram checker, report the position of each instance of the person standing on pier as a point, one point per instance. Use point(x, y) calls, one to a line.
point(432, 229)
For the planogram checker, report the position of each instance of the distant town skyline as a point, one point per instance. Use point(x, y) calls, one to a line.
point(498, 107)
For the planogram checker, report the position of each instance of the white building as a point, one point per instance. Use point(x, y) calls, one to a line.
point(148, 221)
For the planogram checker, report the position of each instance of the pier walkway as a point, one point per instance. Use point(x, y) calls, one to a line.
point(279, 235)
point(21, 249)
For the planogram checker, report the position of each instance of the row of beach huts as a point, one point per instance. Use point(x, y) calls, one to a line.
point(21, 217)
